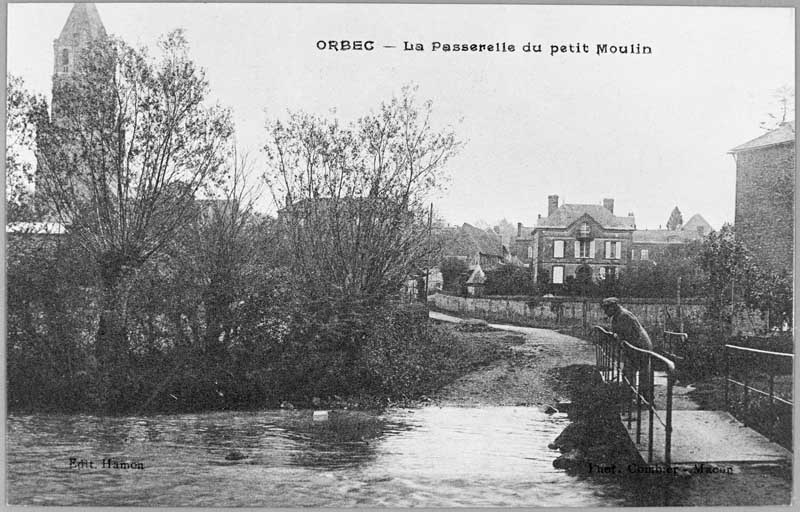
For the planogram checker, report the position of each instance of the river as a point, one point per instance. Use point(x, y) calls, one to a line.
point(429, 456)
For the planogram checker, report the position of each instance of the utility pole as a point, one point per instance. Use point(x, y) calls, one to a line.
point(680, 314)
point(428, 269)
point(733, 303)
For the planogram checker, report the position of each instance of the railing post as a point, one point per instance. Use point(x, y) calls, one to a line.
point(650, 401)
point(744, 398)
point(727, 375)
point(668, 426)
point(638, 418)
point(771, 389)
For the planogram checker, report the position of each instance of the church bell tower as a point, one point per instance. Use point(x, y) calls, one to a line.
point(83, 26)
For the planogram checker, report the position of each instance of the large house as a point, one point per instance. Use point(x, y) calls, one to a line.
point(587, 241)
point(590, 242)
point(765, 171)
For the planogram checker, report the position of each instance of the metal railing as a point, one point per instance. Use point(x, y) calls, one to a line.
point(633, 368)
point(746, 363)
point(674, 344)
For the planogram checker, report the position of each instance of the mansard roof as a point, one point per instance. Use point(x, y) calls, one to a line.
point(83, 23)
point(566, 214)
point(781, 134)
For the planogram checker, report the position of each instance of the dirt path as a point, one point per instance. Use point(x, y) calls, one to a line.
point(525, 378)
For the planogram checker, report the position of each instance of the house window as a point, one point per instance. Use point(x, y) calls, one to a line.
point(558, 249)
point(65, 60)
point(585, 230)
point(530, 252)
point(609, 272)
point(613, 250)
point(558, 274)
point(584, 248)
point(645, 254)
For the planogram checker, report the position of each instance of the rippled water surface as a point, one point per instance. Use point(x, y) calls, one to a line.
point(433, 456)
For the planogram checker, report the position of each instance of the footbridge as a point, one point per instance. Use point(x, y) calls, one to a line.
point(670, 432)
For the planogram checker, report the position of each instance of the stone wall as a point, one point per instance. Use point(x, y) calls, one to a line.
point(764, 203)
point(657, 315)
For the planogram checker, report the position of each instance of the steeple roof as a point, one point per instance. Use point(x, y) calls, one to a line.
point(82, 24)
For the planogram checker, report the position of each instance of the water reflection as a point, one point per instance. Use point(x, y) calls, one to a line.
point(450, 456)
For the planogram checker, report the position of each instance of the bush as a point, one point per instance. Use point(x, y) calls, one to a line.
point(455, 273)
point(510, 280)
point(49, 326)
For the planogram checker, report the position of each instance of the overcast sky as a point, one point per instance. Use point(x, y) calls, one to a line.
point(651, 131)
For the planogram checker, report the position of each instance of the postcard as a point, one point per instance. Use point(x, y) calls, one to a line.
point(399, 255)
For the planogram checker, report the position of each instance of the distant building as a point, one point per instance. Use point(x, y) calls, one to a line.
point(649, 244)
point(590, 242)
point(765, 171)
point(470, 244)
point(586, 241)
point(83, 26)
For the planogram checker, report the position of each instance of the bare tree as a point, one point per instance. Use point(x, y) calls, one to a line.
point(130, 143)
point(784, 108)
point(352, 199)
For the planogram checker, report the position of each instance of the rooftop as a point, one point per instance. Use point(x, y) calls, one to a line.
point(468, 241)
point(566, 214)
point(685, 233)
point(783, 133)
point(35, 228)
point(83, 23)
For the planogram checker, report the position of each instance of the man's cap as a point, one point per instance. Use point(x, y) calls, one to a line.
point(609, 301)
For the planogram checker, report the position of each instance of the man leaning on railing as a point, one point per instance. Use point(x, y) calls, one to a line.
point(627, 327)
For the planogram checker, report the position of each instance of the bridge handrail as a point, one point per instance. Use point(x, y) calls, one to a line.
point(668, 363)
point(745, 384)
point(612, 359)
point(748, 349)
point(672, 340)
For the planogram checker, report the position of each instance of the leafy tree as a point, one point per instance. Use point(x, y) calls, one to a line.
point(22, 108)
point(658, 277)
point(734, 277)
point(675, 220)
point(507, 231)
point(725, 262)
point(454, 274)
point(130, 144)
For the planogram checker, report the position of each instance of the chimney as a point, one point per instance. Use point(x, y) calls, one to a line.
point(519, 230)
point(552, 204)
point(608, 204)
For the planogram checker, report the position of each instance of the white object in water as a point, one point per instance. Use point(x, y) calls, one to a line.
point(320, 415)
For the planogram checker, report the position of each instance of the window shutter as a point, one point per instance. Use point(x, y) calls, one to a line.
point(618, 250)
point(577, 249)
point(591, 249)
point(608, 253)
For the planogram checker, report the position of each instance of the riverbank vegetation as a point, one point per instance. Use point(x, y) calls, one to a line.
point(169, 291)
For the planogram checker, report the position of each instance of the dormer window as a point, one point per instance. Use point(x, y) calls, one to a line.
point(65, 60)
point(585, 230)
